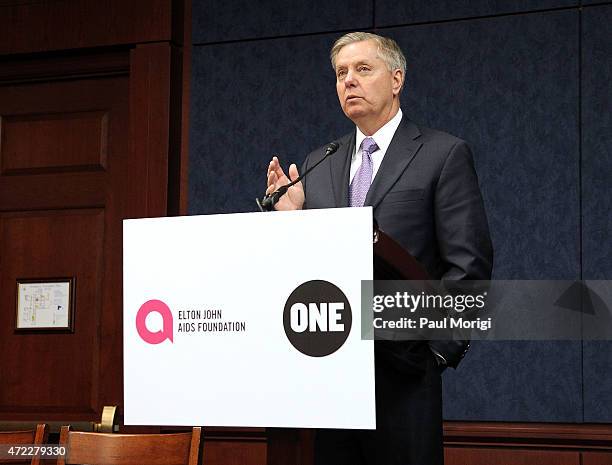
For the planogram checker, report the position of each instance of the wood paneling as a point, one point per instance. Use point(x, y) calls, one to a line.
point(64, 190)
point(52, 165)
point(178, 168)
point(63, 194)
point(458, 456)
point(93, 117)
point(538, 435)
point(234, 453)
point(597, 458)
point(29, 143)
point(527, 444)
point(229, 446)
point(27, 27)
point(150, 129)
point(58, 66)
point(290, 445)
point(45, 245)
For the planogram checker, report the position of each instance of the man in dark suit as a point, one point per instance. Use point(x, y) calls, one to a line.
point(424, 191)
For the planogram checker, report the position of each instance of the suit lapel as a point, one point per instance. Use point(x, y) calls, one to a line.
point(400, 153)
point(340, 166)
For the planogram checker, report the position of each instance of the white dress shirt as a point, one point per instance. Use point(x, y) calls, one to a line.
point(382, 137)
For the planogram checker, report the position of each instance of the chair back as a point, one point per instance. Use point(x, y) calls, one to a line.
point(35, 436)
point(130, 449)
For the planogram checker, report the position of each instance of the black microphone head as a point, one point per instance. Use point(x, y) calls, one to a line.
point(331, 148)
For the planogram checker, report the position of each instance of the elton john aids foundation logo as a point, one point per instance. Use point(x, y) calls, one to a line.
point(154, 306)
point(317, 318)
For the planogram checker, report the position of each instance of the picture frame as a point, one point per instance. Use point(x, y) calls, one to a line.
point(45, 304)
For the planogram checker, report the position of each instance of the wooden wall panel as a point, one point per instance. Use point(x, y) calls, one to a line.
point(27, 26)
point(479, 443)
point(229, 446)
point(93, 117)
point(40, 371)
point(73, 190)
point(52, 165)
point(536, 435)
point(461, 456)
point(150, 129)
point(290, 445)
point(178, 169)
point(63, 193)
point(597, 458)
point(84, 142)
point(234, 453)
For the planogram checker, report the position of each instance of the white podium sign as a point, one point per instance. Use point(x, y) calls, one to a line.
point(248, 319)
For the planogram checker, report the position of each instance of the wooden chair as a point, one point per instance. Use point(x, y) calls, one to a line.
point(130, 449)
point(36, 436)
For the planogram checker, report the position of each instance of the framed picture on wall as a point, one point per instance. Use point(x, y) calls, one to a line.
point(45, 304)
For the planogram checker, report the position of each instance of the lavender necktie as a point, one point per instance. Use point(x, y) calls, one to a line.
point(363, 177)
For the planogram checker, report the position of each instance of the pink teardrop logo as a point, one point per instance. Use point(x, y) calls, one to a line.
point(141, 326)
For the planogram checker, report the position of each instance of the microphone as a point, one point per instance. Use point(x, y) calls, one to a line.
point(267, 203)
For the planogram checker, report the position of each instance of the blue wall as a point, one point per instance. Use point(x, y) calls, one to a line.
point(525, 82)
point(596, 165)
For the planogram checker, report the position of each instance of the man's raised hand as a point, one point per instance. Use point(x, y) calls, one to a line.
point(294, 198)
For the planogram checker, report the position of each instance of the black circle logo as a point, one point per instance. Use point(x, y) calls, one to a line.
point(317, 318)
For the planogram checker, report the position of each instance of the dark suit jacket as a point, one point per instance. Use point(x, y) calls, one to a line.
point(425, 195)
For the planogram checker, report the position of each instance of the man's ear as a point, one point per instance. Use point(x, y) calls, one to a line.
point(398, 81)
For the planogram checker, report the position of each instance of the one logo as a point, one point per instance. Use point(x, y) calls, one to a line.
point(317, 318)
point(141, 322)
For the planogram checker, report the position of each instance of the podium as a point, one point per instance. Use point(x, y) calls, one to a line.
point(392, 261)
point(181, 280)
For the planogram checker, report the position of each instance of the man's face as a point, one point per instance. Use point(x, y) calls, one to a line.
point(366, 88)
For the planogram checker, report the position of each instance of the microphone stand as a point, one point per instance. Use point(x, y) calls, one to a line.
point(267, 203)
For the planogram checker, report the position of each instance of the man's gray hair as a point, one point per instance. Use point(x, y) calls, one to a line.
point(388, 50)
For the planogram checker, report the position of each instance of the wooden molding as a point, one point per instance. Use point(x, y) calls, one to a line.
point(536, 435)
point(149, 129)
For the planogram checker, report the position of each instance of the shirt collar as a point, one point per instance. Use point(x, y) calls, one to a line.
point(383, 136)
